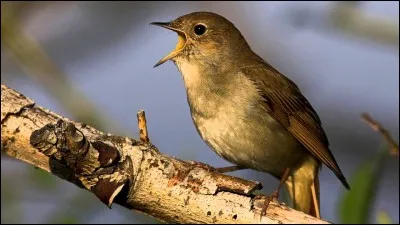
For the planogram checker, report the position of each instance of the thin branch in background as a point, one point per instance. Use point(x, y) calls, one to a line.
point(348, 17)
point(375, 125)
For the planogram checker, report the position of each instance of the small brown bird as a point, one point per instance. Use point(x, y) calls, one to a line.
point(247, 111)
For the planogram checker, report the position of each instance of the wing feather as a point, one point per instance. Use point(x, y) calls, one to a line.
point(285, 102)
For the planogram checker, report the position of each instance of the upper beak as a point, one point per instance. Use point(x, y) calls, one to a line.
point(162, 24)
point(179, 46)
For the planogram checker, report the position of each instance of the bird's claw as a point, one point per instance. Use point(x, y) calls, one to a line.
point(266, 202)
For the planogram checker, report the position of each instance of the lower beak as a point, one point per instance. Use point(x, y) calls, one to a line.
point(179, 46)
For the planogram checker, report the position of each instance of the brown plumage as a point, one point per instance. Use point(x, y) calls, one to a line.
point(295, 113)
point(292, 110)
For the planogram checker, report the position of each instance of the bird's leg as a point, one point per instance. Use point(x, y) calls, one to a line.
point(275, 194)
point(202, 165)
point(229, 169)
point(217, 170)
point(282, 181)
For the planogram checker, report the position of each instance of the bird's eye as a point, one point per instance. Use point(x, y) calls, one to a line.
point(200, 29)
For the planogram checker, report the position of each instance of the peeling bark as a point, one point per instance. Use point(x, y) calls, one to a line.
point(131, 173)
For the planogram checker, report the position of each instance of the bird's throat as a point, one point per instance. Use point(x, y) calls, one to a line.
point(191, 73)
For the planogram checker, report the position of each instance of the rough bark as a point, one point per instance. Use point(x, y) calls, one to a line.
point(131, 173)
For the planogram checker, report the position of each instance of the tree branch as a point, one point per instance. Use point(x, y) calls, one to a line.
point(375, 125)
point(131, 173)
point(347, 17)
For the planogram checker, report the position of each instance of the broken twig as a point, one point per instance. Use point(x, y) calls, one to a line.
point(141, 115)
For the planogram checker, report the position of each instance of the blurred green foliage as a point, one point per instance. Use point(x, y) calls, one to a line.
point(42, 179)
point(356, 205)
point(66, 219)
point(10, 203)
point(384, 218)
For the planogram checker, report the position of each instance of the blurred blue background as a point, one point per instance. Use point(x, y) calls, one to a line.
point(107, 51)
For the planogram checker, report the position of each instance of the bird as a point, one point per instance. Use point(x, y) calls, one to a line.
point(247, 111)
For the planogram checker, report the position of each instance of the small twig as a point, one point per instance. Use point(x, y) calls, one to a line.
point(394, 148)
point(141, 115)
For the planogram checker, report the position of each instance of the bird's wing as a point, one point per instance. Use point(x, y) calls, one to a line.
point(284, 101)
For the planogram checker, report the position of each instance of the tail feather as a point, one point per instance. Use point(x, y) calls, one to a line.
point(303, 188)
point(315, 206)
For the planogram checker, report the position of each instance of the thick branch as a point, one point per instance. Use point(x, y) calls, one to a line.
point(128, 172)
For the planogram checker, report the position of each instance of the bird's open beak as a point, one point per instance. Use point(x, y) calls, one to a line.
point(179, 46)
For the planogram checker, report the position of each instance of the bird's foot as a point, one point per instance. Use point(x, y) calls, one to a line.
point(264, 202)
point(267, 201)
point(275, 195)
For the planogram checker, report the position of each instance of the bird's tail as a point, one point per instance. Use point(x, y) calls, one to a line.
point(315, 206)
point(303, 189)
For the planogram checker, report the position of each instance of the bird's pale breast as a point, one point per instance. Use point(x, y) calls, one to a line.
point(234, 124)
